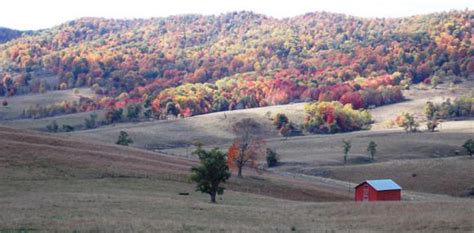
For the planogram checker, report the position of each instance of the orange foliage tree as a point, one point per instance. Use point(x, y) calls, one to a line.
point(247, 147)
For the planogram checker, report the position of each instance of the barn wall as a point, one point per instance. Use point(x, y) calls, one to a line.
point(389, 195)
point(374, 195)
point(359, 193)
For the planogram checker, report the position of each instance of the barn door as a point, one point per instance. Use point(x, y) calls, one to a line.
point(365, 196)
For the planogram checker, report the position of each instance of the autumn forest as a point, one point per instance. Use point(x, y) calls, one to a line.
point(192, 64)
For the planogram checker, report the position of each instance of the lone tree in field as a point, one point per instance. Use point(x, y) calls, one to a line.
point(372, 149)
point(280, 120)
point(124, 139)
point(469, 146)
point(212, 171)
point(347, 147)
point(272, 158)
point(407, 121)
point(431, 115)
point(247, 147)
point(430, 110)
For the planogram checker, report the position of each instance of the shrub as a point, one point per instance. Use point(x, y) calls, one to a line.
point(272, 158)
point(434, 81)
point(280, 120)
point(469, 146)
point(133, 111)
point(91, 122)
point(53, 127)
point(114, 115)
point(68, 128)
point(333, 117)
point(124, 139)
point(290, 129)
point(407, 121)
point(461, 107)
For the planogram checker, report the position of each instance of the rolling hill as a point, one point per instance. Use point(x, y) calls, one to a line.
point(202, 64)
point(7, 34)
point(171, 82)
point(51, 183)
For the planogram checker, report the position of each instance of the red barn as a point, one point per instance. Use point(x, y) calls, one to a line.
point(378, 190)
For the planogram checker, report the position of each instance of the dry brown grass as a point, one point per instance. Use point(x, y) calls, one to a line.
point(215, 129)
point(17, 104)
point(76, 119)
point(310, 152)
point(31, 155)
point(451, 176)
point(51, 183)
point(66, 182)
point(137, 205)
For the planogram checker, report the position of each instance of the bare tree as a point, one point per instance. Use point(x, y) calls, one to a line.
point(247, 146)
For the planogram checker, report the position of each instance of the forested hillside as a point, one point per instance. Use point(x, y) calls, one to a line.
point(194, 64)
point(7, 34)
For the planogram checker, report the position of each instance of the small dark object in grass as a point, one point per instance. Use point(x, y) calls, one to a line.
point(183, 194)
point(470, 192)
point(414, 175)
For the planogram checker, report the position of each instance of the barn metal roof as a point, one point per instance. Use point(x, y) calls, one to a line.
point(382, 185)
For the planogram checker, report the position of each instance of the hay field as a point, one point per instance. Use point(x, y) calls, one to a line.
point(62, 183)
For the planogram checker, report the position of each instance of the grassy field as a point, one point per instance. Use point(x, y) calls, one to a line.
point(81, 181)
point(452, 175)
point(17, 104)
point(215, 129)
point(57, 183)
point(321, 155)
point(76, 119)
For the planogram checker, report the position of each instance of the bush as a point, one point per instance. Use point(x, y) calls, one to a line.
point(290, 129)
point(114, 115)
point(68, 128)
point(333, 117)
point(407, 121)
point(133, 111)
point(124, 139)
point(91, 122)
point(469, 146)
point(272, 158)
point(53, 127)
point(280, 120)
point(461, 107)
